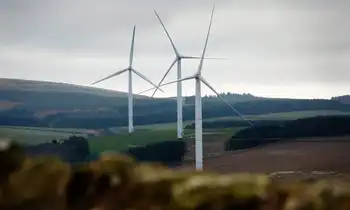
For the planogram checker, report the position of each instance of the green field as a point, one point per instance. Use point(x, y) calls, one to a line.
point(67, 130)
point(31, 136)
point(138, 138)
point(160, 126)
point(123, 141)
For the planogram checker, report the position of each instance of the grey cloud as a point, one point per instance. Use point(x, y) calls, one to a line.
point(281, 42)
point(84, 25)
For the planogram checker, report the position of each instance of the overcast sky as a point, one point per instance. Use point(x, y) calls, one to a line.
point(278, 48)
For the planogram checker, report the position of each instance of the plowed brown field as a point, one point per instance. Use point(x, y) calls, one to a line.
point(331, 154)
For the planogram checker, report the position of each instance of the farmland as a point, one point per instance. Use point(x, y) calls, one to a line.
point(297, 155)
point(304, 154)
point(123, 141)
point(120, 141)
point(31, 135)
point(145, 133)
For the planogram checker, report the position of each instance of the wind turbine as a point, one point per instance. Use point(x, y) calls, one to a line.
point(130, 69)
point(198, 101)
point(178, 59)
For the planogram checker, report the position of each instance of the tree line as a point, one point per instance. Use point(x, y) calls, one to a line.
point(168, 152)
point(234, 123)
point(322, 126)
point(344, 99)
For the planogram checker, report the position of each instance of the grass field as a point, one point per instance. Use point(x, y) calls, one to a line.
point(122, 141)
point(31, 136)
point(142, 137)
point(161, 126)
point(64, 130)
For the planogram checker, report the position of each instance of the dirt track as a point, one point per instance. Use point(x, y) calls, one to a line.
point(315, 154)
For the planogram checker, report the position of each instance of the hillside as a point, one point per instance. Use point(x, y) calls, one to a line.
point(48, 98)
point(44, 86)
point(48, 104)
point(64, 98)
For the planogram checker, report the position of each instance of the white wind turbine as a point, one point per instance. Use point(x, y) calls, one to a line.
point(178, 59)
point(130, 70)
point(198, 102)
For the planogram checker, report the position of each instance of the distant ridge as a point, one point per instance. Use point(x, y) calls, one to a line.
point(46, 86)
point(344, 99)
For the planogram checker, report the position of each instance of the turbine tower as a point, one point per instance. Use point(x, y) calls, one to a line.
point(130, 69)
point(178, 59)
point(198, 101)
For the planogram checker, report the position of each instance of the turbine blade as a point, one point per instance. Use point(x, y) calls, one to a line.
point(222, 98)
point(131, 56)
point(110, 76)
point(168, 83)
point(206, 42)
point(167, 33)
point(146, 79)
point(144, 91)
point(197, 57)
point(166, 73)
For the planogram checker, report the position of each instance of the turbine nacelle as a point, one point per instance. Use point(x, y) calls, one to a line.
point(197, 75)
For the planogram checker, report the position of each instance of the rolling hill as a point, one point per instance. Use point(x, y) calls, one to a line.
point(40, 96)
point(49, 104)
point(44, 86)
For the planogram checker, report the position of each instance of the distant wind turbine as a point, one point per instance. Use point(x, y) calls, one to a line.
point(198, 102)
point(131, 70)
point(178, 58)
